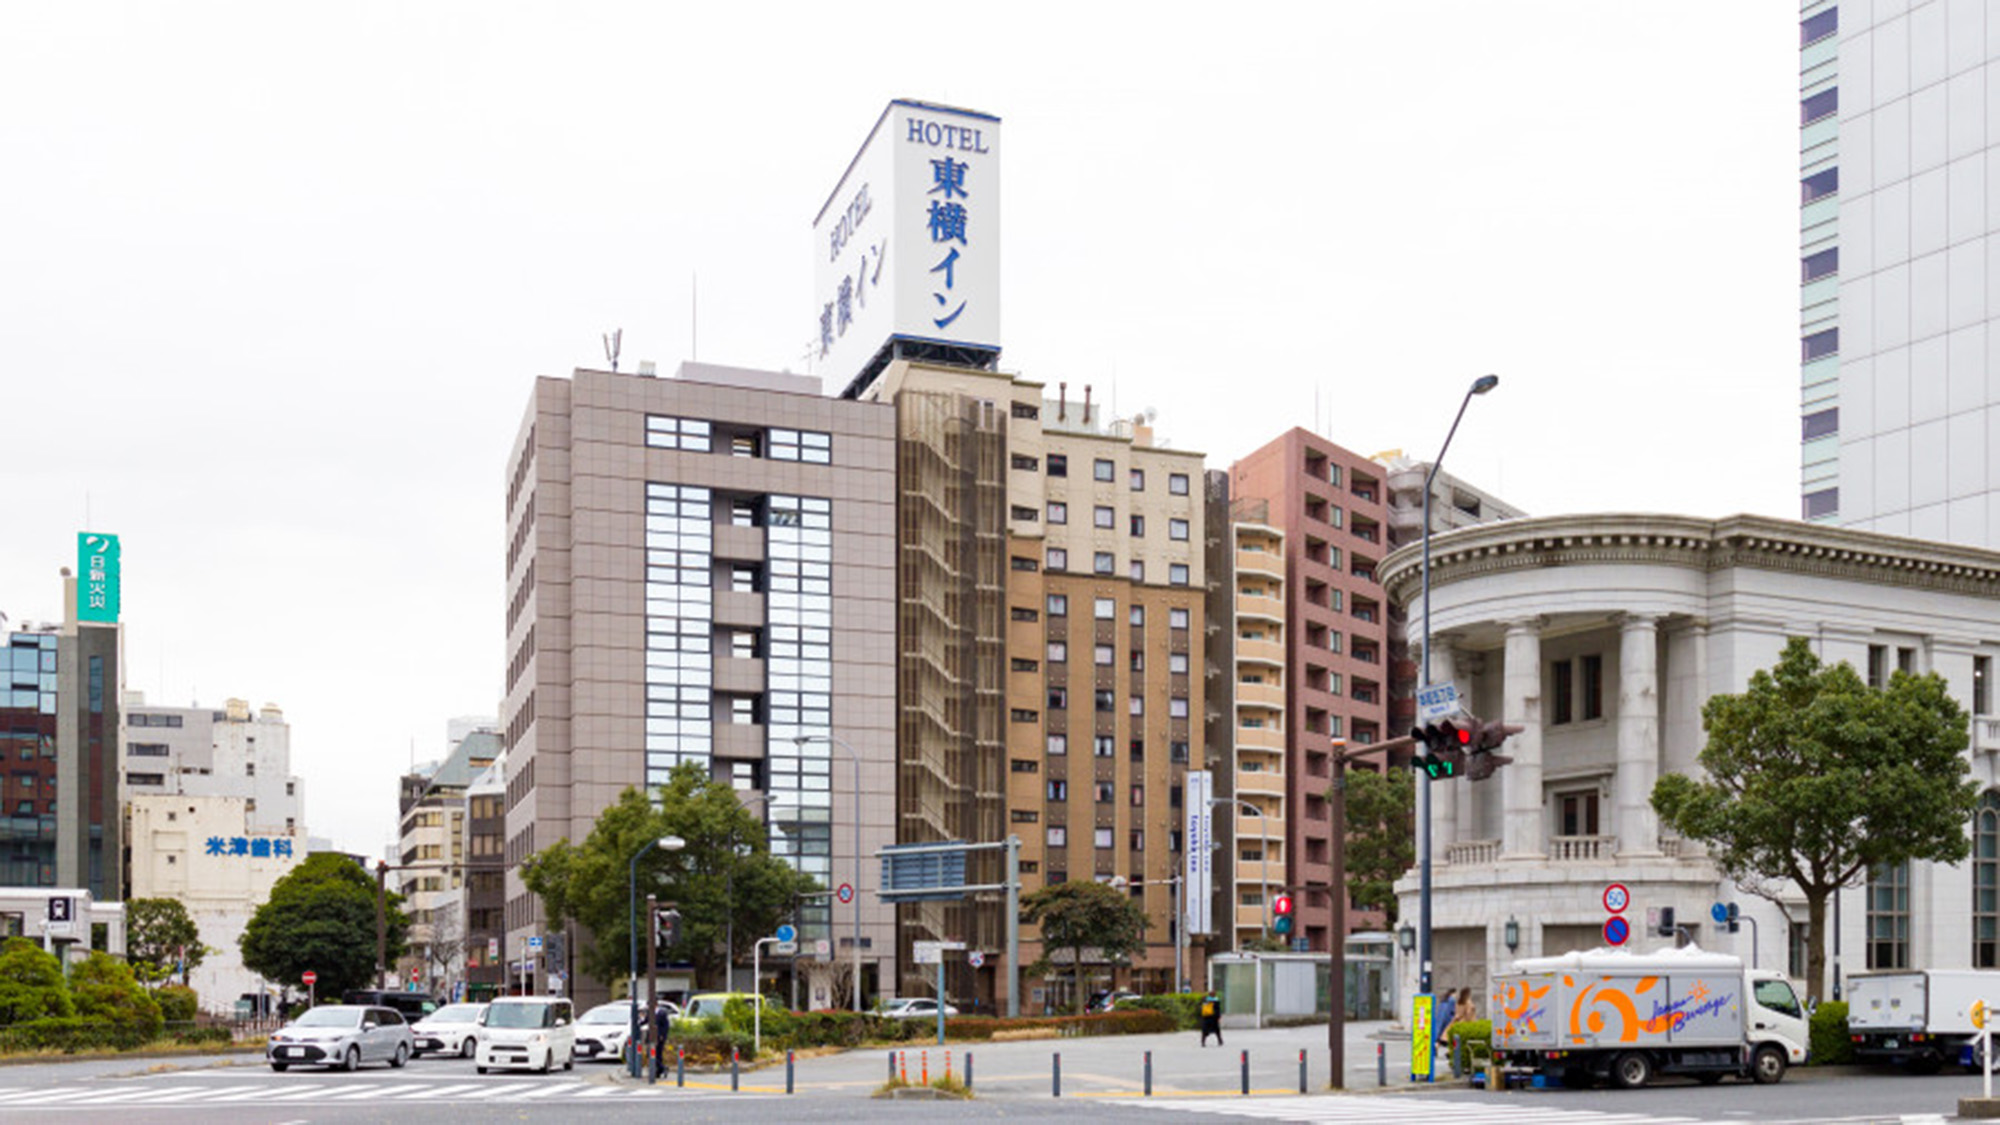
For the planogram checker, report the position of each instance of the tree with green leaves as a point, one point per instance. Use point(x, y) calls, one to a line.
point(31, 983)
point(1093, 922)
point(321, 917)
point(1814, 779)
point(724, 872)
point(105, 991)
point(1381, 835)
point(159, 935)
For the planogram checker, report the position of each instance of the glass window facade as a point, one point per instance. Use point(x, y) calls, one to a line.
point(810, 446)
point(799, 608)
point(1986, 882)
point(28, 745)
point(680, 621)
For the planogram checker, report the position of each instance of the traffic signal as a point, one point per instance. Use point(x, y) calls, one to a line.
point(1281, 907)
point(1666, 921)
point(666, 931)
point(1735, 926)
point(1441, 749)
point(1489, 736)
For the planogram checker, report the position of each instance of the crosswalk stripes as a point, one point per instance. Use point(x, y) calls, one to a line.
point(1341, 1109)
point(125, 1095)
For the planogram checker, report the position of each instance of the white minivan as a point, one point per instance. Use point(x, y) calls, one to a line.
point(532, 1032)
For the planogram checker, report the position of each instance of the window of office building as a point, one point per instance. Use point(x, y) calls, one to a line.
point(1819, 185)
point(1177, 529)
point(1106, 609)
point(1986, 882)
point(1058, 558)
point(809, 446)
point(1821, 423)
point(1103, 562)
point(689, 435)
point(1826, 103)
point(1058, 465)
point(680, 601)
point(1593, 687)
point(1826, 263)
point(1889, 917)
point(1058, 512)
point(1177, 574)
point(1818, 26)
point(1101, 469)
point(1058, 605)
point(798, 701)
point(1104, 517)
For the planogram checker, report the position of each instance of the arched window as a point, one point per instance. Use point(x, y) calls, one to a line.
point(1986, 882)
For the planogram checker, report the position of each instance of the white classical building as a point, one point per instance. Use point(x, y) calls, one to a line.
point(1602, 636)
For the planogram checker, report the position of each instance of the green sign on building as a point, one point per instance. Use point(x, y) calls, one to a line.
point(97, 577)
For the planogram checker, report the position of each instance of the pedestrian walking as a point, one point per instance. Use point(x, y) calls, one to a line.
point(663, 1022)
point(1211, 1018)
point(1447, 1011)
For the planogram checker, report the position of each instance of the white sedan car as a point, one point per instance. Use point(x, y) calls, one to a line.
point(451, 1030)
point(915, 1008)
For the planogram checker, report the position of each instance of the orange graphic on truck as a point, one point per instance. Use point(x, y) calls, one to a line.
point(1517, 1004)
point(1587, 1010)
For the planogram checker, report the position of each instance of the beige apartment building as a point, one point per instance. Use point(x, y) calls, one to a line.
point(1256, 805)
point(701, 569)
point(1060, 554)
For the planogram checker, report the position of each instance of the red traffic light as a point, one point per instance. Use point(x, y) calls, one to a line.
point(1282, 906)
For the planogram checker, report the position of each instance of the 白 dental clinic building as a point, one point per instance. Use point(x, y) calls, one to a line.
point(1602, 636)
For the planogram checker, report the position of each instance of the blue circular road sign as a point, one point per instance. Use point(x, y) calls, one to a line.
point(787, 933)
point(1616, 931)
point(1719, 912)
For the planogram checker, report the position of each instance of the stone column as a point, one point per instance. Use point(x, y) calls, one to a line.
point(1638, 734)
point(1521, 702)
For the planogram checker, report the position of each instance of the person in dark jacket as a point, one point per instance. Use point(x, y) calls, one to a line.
point(663, 1022)
point(1447, 1011)
point(1211, 1018)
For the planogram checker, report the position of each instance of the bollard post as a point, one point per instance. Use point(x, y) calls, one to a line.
point(1381, 1064)
point(1055, 1076)
point(680, 1065)
point(947, 1066)
point(1149, 1074)
point(968, 1070)
point(1246, 1072)
point(1302, 1072)
point(736, 1070)
point(892, 1066)
point(924, 1063)
point(903, 1067)
point(788, 1070)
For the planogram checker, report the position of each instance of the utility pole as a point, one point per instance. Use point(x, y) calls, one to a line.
point(1336, 1016)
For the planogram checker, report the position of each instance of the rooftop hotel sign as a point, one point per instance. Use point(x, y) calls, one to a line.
point(908, 245)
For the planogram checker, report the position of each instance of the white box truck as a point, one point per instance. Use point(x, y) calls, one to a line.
point(1624, 1017)
point(1919, 1018)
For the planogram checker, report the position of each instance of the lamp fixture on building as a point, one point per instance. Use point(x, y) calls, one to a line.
point(1510, 934)
point(1406, 937)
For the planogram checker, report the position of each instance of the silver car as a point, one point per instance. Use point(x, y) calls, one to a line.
point(342, 1035)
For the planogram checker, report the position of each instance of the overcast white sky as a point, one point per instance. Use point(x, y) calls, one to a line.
point(275, 278)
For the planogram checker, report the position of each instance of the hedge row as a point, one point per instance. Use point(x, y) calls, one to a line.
point(712, 1038)
point(70, 1034)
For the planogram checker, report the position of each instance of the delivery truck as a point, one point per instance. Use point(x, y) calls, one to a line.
point(1623, 1017)
point(1919, 1018)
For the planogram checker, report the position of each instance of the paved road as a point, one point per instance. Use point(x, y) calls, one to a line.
point(1102, 1079)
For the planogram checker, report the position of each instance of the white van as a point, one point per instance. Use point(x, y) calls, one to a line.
point(533, 1032)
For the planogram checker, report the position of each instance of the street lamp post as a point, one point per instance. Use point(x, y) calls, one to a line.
point(664, 843)
point(801, 740)
point(1264, 833)
point(1479, 387)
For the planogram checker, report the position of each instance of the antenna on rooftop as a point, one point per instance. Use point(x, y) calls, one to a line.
point(613, 340)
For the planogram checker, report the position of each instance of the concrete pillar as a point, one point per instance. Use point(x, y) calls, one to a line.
point(1638, 734)
point(1524, 836)
point(1445, 828)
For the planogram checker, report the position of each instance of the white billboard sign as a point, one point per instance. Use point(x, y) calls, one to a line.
point(1200, 852)
point(908, 245)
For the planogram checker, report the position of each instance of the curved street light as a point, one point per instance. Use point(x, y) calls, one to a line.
point(665, 844)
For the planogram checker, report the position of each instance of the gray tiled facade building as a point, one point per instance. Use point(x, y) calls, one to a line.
point(702, 569)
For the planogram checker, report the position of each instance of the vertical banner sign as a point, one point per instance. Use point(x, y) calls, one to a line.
point(1422, 1038)
point(97, 577)
point(1199, 850)
point(908, 245)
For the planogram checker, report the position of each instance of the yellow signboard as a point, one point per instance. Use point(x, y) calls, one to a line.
point(1422, 1039)
point(1978, 1013)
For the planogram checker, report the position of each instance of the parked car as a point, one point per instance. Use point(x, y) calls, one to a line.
point(413, 1005)
point(705, 1004)
point(342, 1035)
point(451, 1030)
point(914, 1007)
point(1108, 1001)
point(532, 1032)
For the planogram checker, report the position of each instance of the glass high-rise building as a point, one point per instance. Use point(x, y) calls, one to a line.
point(1899, 270)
